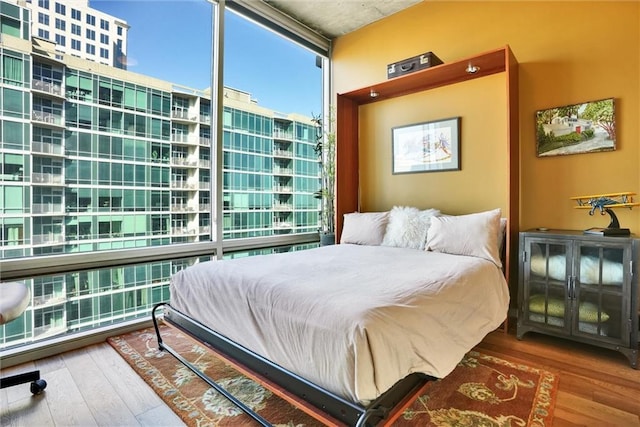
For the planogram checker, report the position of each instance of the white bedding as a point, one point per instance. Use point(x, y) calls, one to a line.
point(352, 319)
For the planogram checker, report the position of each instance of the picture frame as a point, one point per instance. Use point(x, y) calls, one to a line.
point(426, 147)
point(588, 127)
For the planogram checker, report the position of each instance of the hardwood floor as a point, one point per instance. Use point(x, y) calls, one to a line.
point(92, 386)
point(95, 386)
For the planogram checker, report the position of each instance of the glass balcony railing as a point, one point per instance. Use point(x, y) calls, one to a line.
point(47, 239)
point(184, 185)
point(54, 88)
point(47, 148)
point(279, 206)
point(182, 161)
point(47, 208)
point(46, 178)
point(280, 134)
point(46, 117)
point(183, 115)
point(282, 153)
point(183, 138)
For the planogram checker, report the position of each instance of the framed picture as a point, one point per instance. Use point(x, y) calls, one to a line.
point(579, 128)
point(426, 147)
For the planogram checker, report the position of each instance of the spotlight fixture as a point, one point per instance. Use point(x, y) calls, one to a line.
point(472, 69)
point(373, 93)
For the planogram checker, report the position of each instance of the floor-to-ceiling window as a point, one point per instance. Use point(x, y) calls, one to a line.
point(110, 162)
point(270, 170)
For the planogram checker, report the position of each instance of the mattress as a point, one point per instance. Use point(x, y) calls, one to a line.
point(352, 319)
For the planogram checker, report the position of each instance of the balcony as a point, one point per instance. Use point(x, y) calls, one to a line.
point(279, 206)
point(47, 87)
point(183, 116)
point(282, 224)
point(44, 300)
point(204, 185)
point(181, 207)
point(47, 208)
point(205, 229)
point(14, 176)
point(282, 153)
point(282, 135)
point(182, 138)
point(181, 161)
point(205, 140)
point(183, 185)
point(204, 207)
point(47, 178)
point(183, 231)
point(47, 118)
point(204, 163)
point(283, 189)
point(47, 239)
point(205, 118)
point(282, 171)
point(47, 148)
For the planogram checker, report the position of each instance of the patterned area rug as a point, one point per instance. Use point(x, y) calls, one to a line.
point(482, 391)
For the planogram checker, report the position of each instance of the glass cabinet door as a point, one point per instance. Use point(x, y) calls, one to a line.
point(547, 271)
point(599, 291)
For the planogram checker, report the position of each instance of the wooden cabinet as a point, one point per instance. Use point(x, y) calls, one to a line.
point(581, 287)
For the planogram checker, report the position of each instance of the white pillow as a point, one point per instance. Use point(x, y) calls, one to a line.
point(407, 227)
point(472, 235)
point(364, 228)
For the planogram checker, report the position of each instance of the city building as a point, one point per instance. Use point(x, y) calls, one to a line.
point(97, 158)
point(79, 30)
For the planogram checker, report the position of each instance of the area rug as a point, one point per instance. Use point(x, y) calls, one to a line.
point(483, 390)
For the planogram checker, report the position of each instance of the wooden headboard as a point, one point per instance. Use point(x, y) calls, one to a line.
point(363, 171)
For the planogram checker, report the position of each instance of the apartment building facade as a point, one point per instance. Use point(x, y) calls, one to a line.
point(94, 158)
point(79, 30)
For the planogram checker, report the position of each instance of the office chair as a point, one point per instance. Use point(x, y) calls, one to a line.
point(14, 299)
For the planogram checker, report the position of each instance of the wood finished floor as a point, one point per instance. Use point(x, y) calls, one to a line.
point(94, 386)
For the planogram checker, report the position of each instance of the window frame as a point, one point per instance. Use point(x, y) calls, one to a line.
point(261, 14)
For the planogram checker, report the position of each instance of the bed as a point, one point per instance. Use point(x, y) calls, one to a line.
point(352, 327)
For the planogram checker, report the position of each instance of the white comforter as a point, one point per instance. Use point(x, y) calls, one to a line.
point(352, 319)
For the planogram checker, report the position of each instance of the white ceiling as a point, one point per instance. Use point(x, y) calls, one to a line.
point(333, 18)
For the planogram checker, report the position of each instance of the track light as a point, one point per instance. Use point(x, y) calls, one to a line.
point(472, 69)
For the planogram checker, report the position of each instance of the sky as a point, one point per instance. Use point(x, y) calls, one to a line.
point(171, 40)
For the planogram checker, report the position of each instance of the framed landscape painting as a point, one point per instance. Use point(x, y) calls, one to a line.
point(574, 129)
point(426, 147)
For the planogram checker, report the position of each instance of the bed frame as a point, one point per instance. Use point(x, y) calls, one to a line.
point(342, 410)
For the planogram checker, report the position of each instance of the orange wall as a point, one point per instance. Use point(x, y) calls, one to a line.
point(568, 53)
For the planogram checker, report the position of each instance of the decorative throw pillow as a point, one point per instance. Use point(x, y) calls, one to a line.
point(407, 227)
point(471, 235)
point(587, 312)
point(364, 228)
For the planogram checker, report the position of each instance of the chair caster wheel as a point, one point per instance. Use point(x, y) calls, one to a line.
point(37, 386)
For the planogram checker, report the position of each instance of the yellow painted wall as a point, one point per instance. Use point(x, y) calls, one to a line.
point(568, 53)
point(482, 147)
